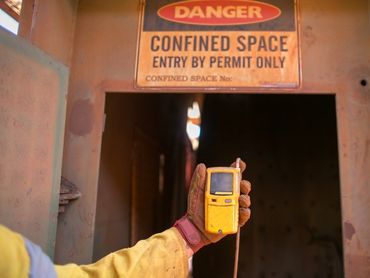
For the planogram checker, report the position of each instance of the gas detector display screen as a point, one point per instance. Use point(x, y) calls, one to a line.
point(221, 183)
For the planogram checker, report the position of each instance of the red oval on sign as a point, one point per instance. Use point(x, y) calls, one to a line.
point(216, 12)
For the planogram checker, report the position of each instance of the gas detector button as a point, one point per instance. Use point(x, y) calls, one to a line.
point(228, 201)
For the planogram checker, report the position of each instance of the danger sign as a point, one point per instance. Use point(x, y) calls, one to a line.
point(209, 43)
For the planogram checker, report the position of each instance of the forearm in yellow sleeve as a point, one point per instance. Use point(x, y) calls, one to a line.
point(14, 259)
point(162, 255)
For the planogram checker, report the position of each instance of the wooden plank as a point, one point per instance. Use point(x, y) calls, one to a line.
point(9, 10)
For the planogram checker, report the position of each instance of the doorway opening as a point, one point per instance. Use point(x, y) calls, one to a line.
point(290, 145)
point(141, 186)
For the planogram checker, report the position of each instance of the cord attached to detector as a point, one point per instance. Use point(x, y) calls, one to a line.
point(236, 259)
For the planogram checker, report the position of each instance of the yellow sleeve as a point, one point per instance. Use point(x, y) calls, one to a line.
point(162, 255)
point(14, 259)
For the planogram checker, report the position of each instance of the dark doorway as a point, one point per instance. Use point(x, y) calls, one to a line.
point(141, 177)
point(290, 145)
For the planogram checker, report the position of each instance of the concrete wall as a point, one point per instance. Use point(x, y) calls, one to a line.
point(335, 58)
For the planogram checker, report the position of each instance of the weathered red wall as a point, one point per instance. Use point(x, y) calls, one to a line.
point(49, 24)
point(335, 58)
point(33, 89)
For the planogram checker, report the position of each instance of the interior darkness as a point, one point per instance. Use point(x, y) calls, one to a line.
point(290, 145)
point(131, 205)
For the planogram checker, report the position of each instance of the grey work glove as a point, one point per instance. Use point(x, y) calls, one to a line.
point(191, 226)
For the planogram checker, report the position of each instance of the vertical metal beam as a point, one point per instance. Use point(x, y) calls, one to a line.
point(353, 112)
point(50, 25)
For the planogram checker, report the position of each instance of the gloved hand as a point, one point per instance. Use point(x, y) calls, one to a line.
point(191, 225)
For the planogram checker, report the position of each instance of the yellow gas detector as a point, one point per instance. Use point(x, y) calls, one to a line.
point(222, 200)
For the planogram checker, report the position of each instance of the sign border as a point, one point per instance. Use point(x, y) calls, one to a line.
point(268, 87)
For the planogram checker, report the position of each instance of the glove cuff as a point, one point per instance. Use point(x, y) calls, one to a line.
point(190, 233)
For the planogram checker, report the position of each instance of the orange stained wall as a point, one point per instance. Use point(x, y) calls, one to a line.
point(335, 58)
point(33, 94)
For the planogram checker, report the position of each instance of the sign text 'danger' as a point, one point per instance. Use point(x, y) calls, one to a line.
point(218, 12)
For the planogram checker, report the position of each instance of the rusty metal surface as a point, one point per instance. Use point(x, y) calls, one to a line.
point(353, 109)
point(335, 58)
point(33, 90)
point(49, 24)
point(85, 111)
